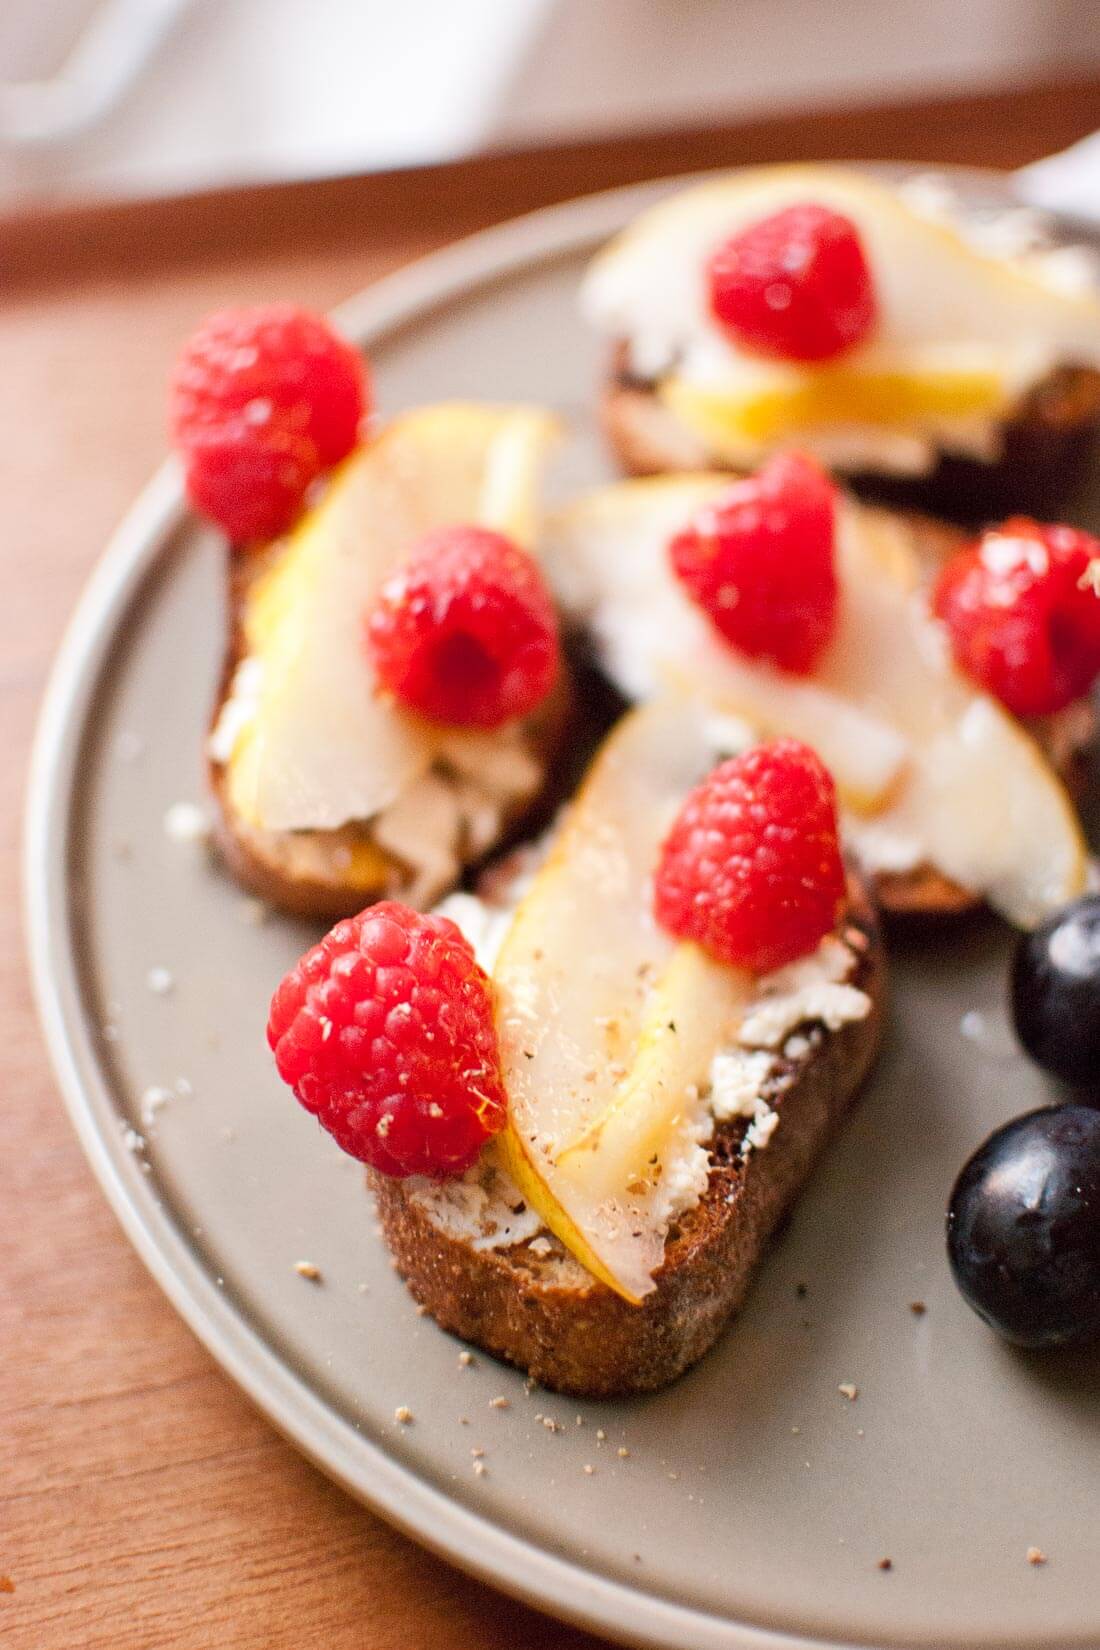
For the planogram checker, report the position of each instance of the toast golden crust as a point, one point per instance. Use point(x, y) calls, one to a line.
point(1045, 447)
point(332, 874)
point(572, 1333)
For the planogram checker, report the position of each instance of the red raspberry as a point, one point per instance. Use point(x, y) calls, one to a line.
point(759, 561)
point(1023, 614)
point(251, 486)
point(796, 284)
point(465, 632)
point(385, 1032)
point(751, 868)
point(262, 400)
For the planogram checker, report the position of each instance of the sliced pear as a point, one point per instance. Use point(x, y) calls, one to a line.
point(697, 1005)
point(759, 404)
point(582, 974)
point(321, 747)
point(967, 786)
point(933, 287)
point(606, 556)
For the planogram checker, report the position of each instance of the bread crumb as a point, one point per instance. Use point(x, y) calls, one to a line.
point(589, 1468)
point(363, 1288)
point(477, 1452)
point(465, 1359)
point(550, 1424)
point(306, 1269)
point(849, 1391)
point(600, 1434)
point(500, 1402)
point(152, 1100)
point(132, 1140)
point(7, 1585)
point(186, 822)
point(421, 1310)
point(1036, 1555)
point(160, 981)
point(917, 1308)
point(623, 1453)
point(403, 1414)
point(886, 1564)
point(480, 1468)
point(795, 1431)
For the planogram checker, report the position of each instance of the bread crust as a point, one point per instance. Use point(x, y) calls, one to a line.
point(306, 873)
point(1046, 446)
point(571, 1332)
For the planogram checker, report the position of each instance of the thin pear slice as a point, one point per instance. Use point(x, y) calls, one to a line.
point(320, 746)
point(577, 980)
point(933, 287)
point(758, 404)
point(969, 791)
point(697, 1005)
point(606, 556)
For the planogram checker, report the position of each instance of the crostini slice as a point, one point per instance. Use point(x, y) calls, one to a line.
point(976, 391)
point(948, 800)
point(329, 793)
point(664, 1109)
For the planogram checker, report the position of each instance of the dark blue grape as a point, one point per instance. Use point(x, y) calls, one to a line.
point(1056, 993)
point(1023, 1227)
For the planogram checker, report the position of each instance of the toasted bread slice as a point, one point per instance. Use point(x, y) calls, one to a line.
point(1045, 448)
point(1064, 738)
point(533, 1305)
point(331, 874)
point(330, 795)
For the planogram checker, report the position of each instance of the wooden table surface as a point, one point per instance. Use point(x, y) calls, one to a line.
point(143, 1502)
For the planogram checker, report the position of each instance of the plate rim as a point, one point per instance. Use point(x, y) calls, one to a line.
point(474, 1542)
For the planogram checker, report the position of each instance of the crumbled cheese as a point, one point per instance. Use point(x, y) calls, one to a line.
point(736, 1079)
point(761, 1129)
point(812, 989)
point(880, 848)
point(239, 709)
point(484, 925)
point(483, 1207)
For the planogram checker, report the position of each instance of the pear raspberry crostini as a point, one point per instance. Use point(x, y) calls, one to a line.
point(903, 654)
point(943, 357)
point(394, 696)
point(588, 1100)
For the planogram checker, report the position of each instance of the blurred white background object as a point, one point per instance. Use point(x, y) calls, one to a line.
point(200, 93)
point(1069, 182)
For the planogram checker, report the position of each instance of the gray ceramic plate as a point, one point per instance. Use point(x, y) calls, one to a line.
point(756, 1500)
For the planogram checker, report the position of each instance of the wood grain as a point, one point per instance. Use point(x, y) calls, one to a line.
point(143, 1503)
